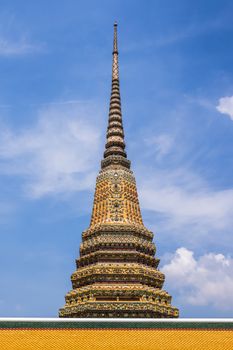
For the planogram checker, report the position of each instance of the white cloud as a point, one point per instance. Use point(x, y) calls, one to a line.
point(160, 144)
point(225, 106)
point(186, 202)
point(56, 155)
point(207, 280)
point(18, 47)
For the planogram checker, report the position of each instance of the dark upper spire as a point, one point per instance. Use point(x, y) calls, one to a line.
point(115, 38)
point(115, 69)
point(115, 145)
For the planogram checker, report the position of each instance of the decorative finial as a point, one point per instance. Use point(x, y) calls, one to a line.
point(115, 39)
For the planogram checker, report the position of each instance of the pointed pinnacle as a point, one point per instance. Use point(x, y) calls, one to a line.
point(115, 51)
point(115, 145)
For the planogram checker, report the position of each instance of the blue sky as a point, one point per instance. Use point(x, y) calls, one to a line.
point(177, 99)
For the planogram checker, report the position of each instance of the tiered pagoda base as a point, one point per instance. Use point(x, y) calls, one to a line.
point(117, 300)
point(117, 276)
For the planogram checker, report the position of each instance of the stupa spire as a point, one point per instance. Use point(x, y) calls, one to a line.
point(115, 144)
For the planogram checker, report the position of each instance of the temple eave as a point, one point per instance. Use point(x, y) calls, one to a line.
point(119, 309)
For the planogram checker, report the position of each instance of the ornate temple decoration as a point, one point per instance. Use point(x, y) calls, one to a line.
point(117, 272)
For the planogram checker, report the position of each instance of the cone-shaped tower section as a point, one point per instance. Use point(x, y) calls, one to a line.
point(117, 273)
point(115, 144)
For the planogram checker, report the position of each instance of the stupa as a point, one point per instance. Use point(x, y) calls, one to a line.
point(117, 272)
